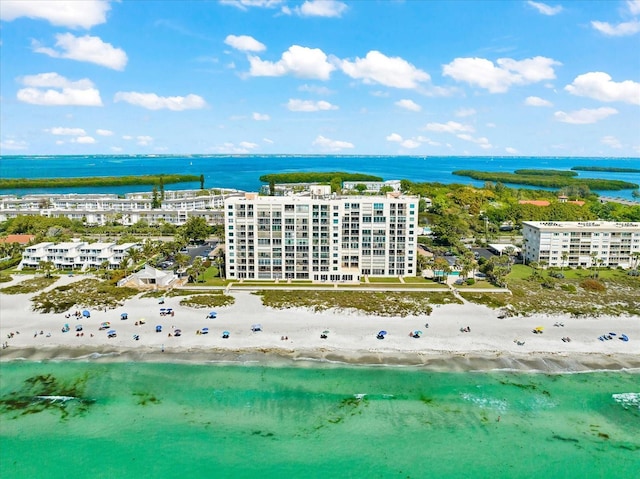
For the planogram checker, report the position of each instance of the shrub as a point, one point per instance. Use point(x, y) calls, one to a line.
point(592, 285)
point(471, 281)
point(634, 272)
point(556, 274)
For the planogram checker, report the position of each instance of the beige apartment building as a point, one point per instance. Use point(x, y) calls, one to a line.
point(582, 243)
point(323, 238)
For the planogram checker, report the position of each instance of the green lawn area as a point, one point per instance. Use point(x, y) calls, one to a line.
point(390, 279)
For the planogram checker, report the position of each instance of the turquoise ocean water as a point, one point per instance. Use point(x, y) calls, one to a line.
point(237, 421)
point(243, 171)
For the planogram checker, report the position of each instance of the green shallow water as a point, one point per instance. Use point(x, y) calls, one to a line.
point(177, 420)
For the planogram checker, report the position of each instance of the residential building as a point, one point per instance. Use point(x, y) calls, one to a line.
point(579, 243)
point(99, 209)
point(320, 238)
point(76, 255)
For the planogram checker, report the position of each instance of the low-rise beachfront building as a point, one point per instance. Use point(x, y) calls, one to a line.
point(320, 238)
point(581, 243)
point(371, 186)
point(100, 209)
point(76, 255)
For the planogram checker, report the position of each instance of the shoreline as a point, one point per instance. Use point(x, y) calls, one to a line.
point(434, 361)
point(454, 338)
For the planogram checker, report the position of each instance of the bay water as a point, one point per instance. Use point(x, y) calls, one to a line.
point(243, 171)
point(141, 419)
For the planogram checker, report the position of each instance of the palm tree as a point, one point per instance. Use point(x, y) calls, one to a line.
point(594, 257)
point(47, 267)
point(564, 256)
point(196, 269)
point(220, 261)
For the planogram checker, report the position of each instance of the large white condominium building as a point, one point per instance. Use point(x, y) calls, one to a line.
point(99, 209)
point(320, 238)
point(578, 243)
point(76, 255)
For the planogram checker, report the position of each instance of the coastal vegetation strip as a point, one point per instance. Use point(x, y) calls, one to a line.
point(608, 169)
point(556, 181)
point(368, 302)
point(87, 293)
point(532, 172)
point(316, 177)
point(7, 183)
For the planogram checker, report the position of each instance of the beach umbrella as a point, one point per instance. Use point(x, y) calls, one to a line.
point(624, 337)
point(382, 333)
point(86, 313)
point(142, 320)
point(256, 327)
point(539, 328)
point(226, 333)
point(326, 331)
point(417, 333)
point(111, 331)
point(212, 314)
point(124, 316)
point(158, 329)
point(205, 330)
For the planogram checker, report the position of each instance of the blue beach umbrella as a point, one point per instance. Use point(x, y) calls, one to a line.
point(382, 333)
point(86, 313)
point(158, 328)
point(205, 330)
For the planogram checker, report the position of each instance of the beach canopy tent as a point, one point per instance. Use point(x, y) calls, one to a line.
point(158, 328)
point(111, 333)
point(78, 327)
point(225, 334)
point(65, 328)
point(417, 333)
point(204, 330)
point(124, 316)
point(212, 315)
point(256, 327)
point(86, 313)
point(105, 325)
point(177, 332)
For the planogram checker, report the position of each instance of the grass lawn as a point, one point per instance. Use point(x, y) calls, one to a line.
point(390, 279)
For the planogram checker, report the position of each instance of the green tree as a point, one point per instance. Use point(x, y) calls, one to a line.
point(195, 229)
point(202, 182)
point(47, 268)
point(196, 269)
point(336, 185)
point(155, 200)
point(361, 188)
point(272, 187)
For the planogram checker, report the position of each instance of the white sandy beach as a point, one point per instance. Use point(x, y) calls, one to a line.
point(490, 344)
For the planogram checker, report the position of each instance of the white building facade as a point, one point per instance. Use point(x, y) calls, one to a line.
point(320, 238)
point(77, 255)
point(580, 243)
point(95, 209)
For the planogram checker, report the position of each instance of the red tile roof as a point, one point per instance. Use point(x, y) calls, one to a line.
point(21, 239)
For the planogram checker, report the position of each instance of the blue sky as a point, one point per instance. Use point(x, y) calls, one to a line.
point(490, 78)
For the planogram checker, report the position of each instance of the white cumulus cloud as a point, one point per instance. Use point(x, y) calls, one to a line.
point(634, 7)
point(465, 112)
point(331, 145)
point(151, 101)
point(298, 61)
point(144, 140)
point(321, 8)
point(67, 131)
point(394, 137)
point(388, 71)
point(62, 13)
point(103, 132)
point(84, 140)
point(244, 43)
point(260, 116)
point(449, 127)
point(310, 105)
point(611, 141)
point(408, 105)
point(86, 49)
point(13, 145)
point(499, 77)
point(599, 86)
point(481, 141)
point(52, 89)
point(536, 101)
point(585, 116)
point(511, 150)
point(546, 9)
point(620, 30)
point(246, 4)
